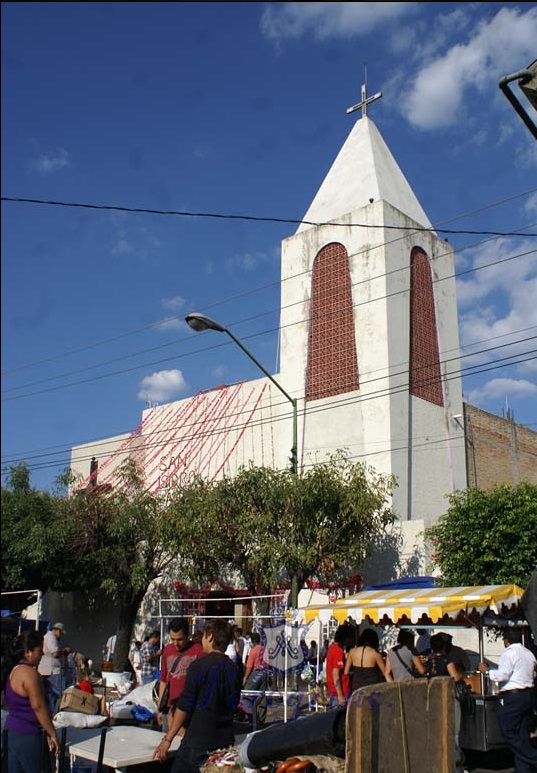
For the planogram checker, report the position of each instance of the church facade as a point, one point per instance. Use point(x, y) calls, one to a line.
point(369, 356)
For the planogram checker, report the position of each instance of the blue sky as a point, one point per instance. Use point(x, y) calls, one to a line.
point(238, 109)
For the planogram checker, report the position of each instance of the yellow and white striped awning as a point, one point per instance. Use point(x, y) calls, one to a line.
point(413, 603)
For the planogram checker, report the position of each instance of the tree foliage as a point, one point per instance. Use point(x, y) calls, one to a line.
point(272, 526)
point(264, 527)
point(92, 541)
point(487, 536)
point(32, 537)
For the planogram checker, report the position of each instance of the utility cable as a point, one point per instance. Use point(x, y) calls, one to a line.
point(255, 218)
point(254, 317)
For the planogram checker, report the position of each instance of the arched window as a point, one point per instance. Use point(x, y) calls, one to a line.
point(332, 361)
point(424, 377)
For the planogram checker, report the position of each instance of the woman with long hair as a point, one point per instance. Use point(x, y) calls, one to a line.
point(29, 714)
point(364, 662)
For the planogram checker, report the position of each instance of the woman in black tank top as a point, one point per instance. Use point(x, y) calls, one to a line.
point(365, 663)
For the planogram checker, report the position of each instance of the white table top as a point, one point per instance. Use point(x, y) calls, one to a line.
point(124, 746)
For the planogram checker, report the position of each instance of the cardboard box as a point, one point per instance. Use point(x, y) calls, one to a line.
point(78, 700)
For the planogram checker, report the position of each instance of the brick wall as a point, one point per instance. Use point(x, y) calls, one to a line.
point(424, 376)
point(332, 361)
point(498, 450)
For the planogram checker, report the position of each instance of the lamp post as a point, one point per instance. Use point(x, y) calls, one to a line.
point(200, 322)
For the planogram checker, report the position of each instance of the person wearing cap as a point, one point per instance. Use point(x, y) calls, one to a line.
point(52, 666)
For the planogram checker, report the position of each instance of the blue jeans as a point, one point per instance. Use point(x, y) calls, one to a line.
point(24, 753)
point(54, 687)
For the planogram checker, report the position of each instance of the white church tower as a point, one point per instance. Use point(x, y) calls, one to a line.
point(369, 331)
point(369, 350)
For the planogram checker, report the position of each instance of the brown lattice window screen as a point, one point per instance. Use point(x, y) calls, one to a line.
point(425, 376)
point(332, 360)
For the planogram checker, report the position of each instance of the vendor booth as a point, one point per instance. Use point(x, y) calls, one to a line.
point(467, 606)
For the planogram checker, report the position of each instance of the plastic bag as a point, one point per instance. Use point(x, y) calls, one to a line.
point(308, 673)
point(77, 719)
point(141, 714)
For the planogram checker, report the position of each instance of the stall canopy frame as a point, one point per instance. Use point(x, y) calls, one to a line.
point(38, 595)
point(415, 605)
point(467, 604)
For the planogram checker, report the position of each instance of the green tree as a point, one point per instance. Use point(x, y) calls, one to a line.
point(274, 527)
point(338, 510)
point(487, 536)
point(32, 538)
point(92, 541)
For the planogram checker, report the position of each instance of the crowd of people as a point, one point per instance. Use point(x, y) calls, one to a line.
point(201, 677)
point(351, 666)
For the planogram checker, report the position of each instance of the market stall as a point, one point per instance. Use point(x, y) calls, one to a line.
point(466, 606)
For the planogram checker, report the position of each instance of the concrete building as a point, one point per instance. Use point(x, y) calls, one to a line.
point(498, 450)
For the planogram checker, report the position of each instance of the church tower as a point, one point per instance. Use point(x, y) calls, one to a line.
point(369, 356)
point(369, 330)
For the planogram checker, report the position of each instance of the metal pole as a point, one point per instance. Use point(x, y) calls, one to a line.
point(286, 675)
point(524, 76)
point(292, 400)
point(294, 447)
point(201, 322)
point(39, 595)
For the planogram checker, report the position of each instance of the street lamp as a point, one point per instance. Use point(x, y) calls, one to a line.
point(200, 322)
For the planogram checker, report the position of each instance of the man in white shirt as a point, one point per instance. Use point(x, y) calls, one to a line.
point(53, 664)
point(516, 676)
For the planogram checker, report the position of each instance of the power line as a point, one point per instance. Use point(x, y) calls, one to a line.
point(254, 218)
point(53, 449)
point(273, 284)
point(340, 402)
point(216, 346)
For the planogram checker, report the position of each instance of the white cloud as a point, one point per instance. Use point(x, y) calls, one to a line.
point(329, 20)
point(137, 241)
point(248, 261)
point(173, 304)
point(218, 372)
point(502, 388)
point(497, 309)
point(500, 46)
point(162, 386)
point(486, 281)
point(170, 323)
point(53, 161)
point(175, 321)
point(122, 247)
point(531, 204)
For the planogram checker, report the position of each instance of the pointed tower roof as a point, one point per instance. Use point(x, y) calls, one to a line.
point(364, 169)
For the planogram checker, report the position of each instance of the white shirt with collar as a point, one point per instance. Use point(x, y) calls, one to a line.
point(516, 668)
point(50, 663)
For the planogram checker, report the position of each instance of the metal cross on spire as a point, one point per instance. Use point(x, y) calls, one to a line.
point(364, 102)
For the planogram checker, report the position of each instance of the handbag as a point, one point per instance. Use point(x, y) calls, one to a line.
point(463, 693)
point(163, 703)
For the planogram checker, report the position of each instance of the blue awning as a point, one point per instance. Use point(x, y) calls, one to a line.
point(418, 581)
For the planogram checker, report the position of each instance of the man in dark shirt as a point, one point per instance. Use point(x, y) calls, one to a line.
point(206, 706)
